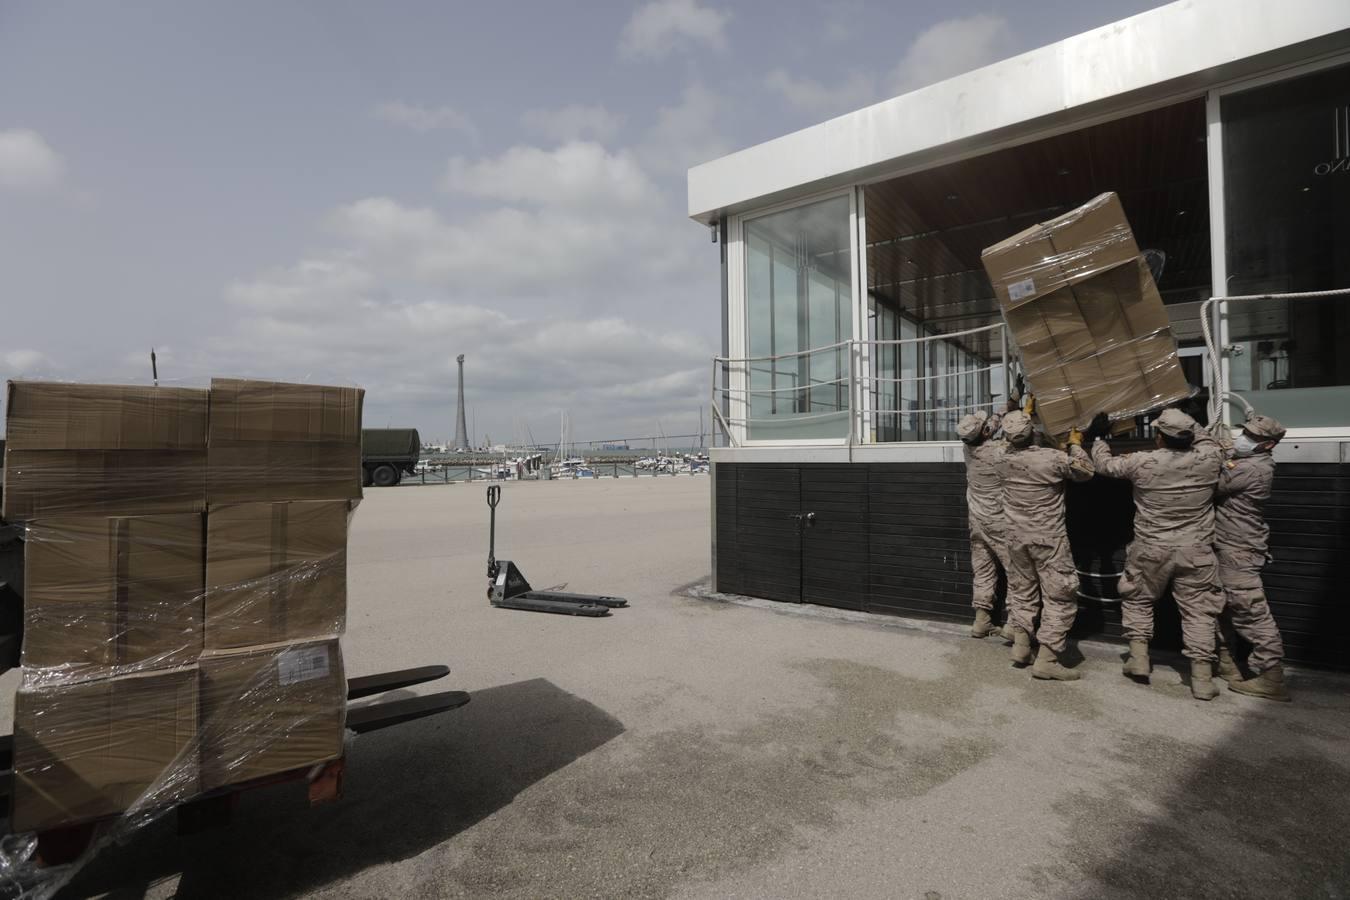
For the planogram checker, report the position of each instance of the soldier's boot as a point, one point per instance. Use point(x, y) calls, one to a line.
point(1228, 668)
point(1048, 667)
point(1137, 665)
point(1021, 651)
point(984, 624)
point(1202, 680)
point(1007, 632)
point(1268, 685)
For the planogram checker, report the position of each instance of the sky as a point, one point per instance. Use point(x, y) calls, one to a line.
point(356, 193)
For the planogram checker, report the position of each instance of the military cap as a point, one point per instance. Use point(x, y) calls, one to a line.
point(1176, 424)
point(1263, 427)
point(1017, 425)
point(969, 428)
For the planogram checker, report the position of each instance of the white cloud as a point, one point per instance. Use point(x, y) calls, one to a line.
point(811, 96)
point(21, 361)
point(573, 123)
point(656, 29)
point(27, 161)
point(576, 175)
point(685, 134)
point(424, 119)
point(950, 48)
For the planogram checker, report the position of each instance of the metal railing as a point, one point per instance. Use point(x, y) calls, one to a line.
point(871, 409)
point(1213, 324)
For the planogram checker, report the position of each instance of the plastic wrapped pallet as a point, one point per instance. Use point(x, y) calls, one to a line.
point(1091, 327)
point(171, 653)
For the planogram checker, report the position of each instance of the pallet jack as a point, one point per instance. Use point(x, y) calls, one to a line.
point(508, 588)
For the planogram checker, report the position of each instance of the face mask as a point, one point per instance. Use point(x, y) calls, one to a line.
point(1244, 446)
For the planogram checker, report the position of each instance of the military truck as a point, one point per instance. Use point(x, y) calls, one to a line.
point(389, 453)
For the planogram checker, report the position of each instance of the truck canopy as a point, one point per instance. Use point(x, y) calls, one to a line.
point(390, 443)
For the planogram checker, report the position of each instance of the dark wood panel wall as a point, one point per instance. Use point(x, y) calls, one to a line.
point(892, 538)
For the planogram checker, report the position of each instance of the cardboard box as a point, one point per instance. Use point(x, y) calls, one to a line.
point(1063, 251)
point(275, 441)
point(1089, 322)
point(270, 709)
point(275, 572)
point(81, 449)
point(89, 750)
point(112, 592)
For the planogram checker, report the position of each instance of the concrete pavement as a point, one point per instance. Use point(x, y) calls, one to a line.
point(691, 747)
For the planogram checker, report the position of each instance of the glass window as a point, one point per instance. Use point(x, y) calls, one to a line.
point(1286, 157)
point(798, 293)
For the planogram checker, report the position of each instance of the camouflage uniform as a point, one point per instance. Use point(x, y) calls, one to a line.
point(1039, 561)
point(1173, 534)
point(1240, 536)
point(984, 499)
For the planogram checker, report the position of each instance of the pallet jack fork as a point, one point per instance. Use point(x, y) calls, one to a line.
point(508, 588)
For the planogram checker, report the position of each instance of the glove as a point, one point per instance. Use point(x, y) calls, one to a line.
point(1029, 407)
point(1075, 437)
point(1100, 427)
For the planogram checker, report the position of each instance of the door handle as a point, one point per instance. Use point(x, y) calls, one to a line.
point(810, 519)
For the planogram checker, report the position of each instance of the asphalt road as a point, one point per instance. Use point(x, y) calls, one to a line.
point(691, 747)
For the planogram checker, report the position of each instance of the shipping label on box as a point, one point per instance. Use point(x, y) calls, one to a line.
point(271, 709)
point(98, 748)
point(275, 572)
point(105, 596)
point(1063, 251)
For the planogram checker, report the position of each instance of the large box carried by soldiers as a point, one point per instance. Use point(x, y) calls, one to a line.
point(103, 449)
point(1081, 304)
point(274, 441)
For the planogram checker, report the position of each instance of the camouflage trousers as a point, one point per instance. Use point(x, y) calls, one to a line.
point(1041, 576)
point(1192, 571)
point(1246, 608)
point(988, 555)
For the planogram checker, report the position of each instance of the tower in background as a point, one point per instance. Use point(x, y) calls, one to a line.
point(461, 428)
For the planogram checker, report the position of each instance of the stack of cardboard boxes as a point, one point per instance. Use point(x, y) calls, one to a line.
point(185, 588)
point(1081, 303)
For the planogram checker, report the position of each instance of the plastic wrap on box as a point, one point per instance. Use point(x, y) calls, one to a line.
point(275, 441)
point(1092, 329)
point(89, 449)
point(275, 572)
point(270, 709)
point(106, 596)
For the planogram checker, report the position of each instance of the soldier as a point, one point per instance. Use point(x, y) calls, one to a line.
point(1038, 545)
point(1173, 540)
point(1240, 535)
point(984, 498)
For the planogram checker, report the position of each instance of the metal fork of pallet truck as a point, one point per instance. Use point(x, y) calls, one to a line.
point(508, 588)
point(382, 714)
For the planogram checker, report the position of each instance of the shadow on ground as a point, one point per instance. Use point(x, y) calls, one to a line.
point(408, 788)
point(1263, 815)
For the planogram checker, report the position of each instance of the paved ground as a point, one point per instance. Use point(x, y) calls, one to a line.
point(692, 748)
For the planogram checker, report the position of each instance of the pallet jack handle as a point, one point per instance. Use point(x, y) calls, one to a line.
point(494, 496)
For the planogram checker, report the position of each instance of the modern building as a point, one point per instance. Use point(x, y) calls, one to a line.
point(859, 325)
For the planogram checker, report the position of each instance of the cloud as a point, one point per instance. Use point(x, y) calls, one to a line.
point(20, 361)
point(572, 123)
point(610, 373)
point(424, 119)
point(685, 134)
point(28, 162)
point(659, 28)
point(811, 96)
point(950, 48)
point(576, 175)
